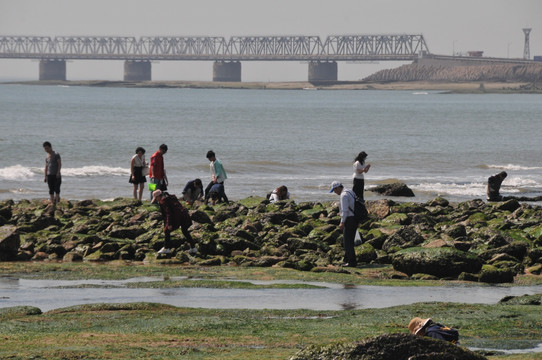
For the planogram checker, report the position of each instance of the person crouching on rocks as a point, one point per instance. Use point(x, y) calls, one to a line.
point(494, 186)
point(193, 191)
point(175, 215)
point(279, 194)
point(426, 327)
point(217, 194)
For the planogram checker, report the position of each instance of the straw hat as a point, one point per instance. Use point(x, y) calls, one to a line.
point(155, 195)
point(417, 324)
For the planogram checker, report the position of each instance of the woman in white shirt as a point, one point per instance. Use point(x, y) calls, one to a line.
point(137, 166)
point(279, 194)
point(359, 169)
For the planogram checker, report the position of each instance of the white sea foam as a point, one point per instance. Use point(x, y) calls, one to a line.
point(471, 189)
point(95, 170)
point(17, 173)
point(514, 167)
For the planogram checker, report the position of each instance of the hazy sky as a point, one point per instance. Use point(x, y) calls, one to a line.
point(493, 26)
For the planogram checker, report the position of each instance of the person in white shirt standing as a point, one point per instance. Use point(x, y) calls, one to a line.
point(349, 224)
point(359, 169)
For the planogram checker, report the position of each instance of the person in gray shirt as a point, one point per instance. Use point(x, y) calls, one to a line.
point(52, 177)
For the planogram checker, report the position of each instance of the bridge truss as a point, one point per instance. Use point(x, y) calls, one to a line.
point(238, 48)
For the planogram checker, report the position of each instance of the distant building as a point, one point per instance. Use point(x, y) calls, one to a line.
point(475, 53)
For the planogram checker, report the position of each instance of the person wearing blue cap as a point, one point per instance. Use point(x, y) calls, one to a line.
point(349, 224)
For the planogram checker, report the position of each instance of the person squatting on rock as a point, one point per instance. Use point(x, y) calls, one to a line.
point(53, 165)
point(157, 172)
point(426, 327)
point(216, 193)
point(175, 216)
point(218, 175)
point(359, 169)
point(193, 190)
point(494, 186)
point(349, 224)
point(137, 175)
point(279, 194)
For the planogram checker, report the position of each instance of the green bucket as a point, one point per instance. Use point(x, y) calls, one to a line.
point(152, 186)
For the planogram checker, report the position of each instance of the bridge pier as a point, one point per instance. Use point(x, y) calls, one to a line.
point(322, 71)
point(52, 69)
point(137, 70)
point(227, 71)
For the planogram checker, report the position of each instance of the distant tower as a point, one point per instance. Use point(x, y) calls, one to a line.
point(526, 51)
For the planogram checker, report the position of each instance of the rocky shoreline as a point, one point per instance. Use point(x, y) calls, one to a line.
point(471, 86)
point(471, 241)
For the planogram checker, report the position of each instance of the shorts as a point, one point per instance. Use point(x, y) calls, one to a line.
point(54, 184)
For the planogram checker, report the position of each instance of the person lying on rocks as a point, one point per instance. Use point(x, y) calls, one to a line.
point(494, 186)
point(426, 327)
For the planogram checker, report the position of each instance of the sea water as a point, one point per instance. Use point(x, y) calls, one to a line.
point(436, 143)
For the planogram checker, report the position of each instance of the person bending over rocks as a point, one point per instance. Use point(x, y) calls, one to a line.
point(494, 186)
point(217, 194)
point(193, 191)
point(175, 216)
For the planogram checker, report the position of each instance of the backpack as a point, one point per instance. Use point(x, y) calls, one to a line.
point(441, 332)
point(360, 211)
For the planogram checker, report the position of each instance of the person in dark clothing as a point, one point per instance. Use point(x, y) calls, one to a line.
point(193, 191)
point(52, 177)
point(359, 169)
point(216, 193)
point(494, 186)
point(426, 327)
point(175, 216)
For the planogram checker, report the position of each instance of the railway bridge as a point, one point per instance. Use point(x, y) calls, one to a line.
point(322, 56)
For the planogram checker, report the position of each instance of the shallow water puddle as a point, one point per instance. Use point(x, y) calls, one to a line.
point(53, 294)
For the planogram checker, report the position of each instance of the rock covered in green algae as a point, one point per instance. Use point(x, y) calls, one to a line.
point(9, 242)
point(389, 347)
point(473, 240)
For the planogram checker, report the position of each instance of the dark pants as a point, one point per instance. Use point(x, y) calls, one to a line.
point(54, 184)
point(350, 227)
point(359, 185)
point(186, 233)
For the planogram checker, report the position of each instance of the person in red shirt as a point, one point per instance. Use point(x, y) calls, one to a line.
point(157, 172)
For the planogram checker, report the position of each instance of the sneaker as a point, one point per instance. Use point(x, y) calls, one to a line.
point(193, 251)
point(164, 251)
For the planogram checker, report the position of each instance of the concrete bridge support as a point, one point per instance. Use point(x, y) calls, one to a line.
point(137, 70)
point(52, 70)
point(322, 71)
point(227, 71)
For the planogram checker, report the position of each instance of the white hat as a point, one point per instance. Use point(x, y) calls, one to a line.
point(335, 185)
point(155, 195)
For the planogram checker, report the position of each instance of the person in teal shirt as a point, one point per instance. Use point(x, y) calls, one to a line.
point(218, 175)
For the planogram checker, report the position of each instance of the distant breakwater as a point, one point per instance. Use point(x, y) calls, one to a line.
point(473, 240)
